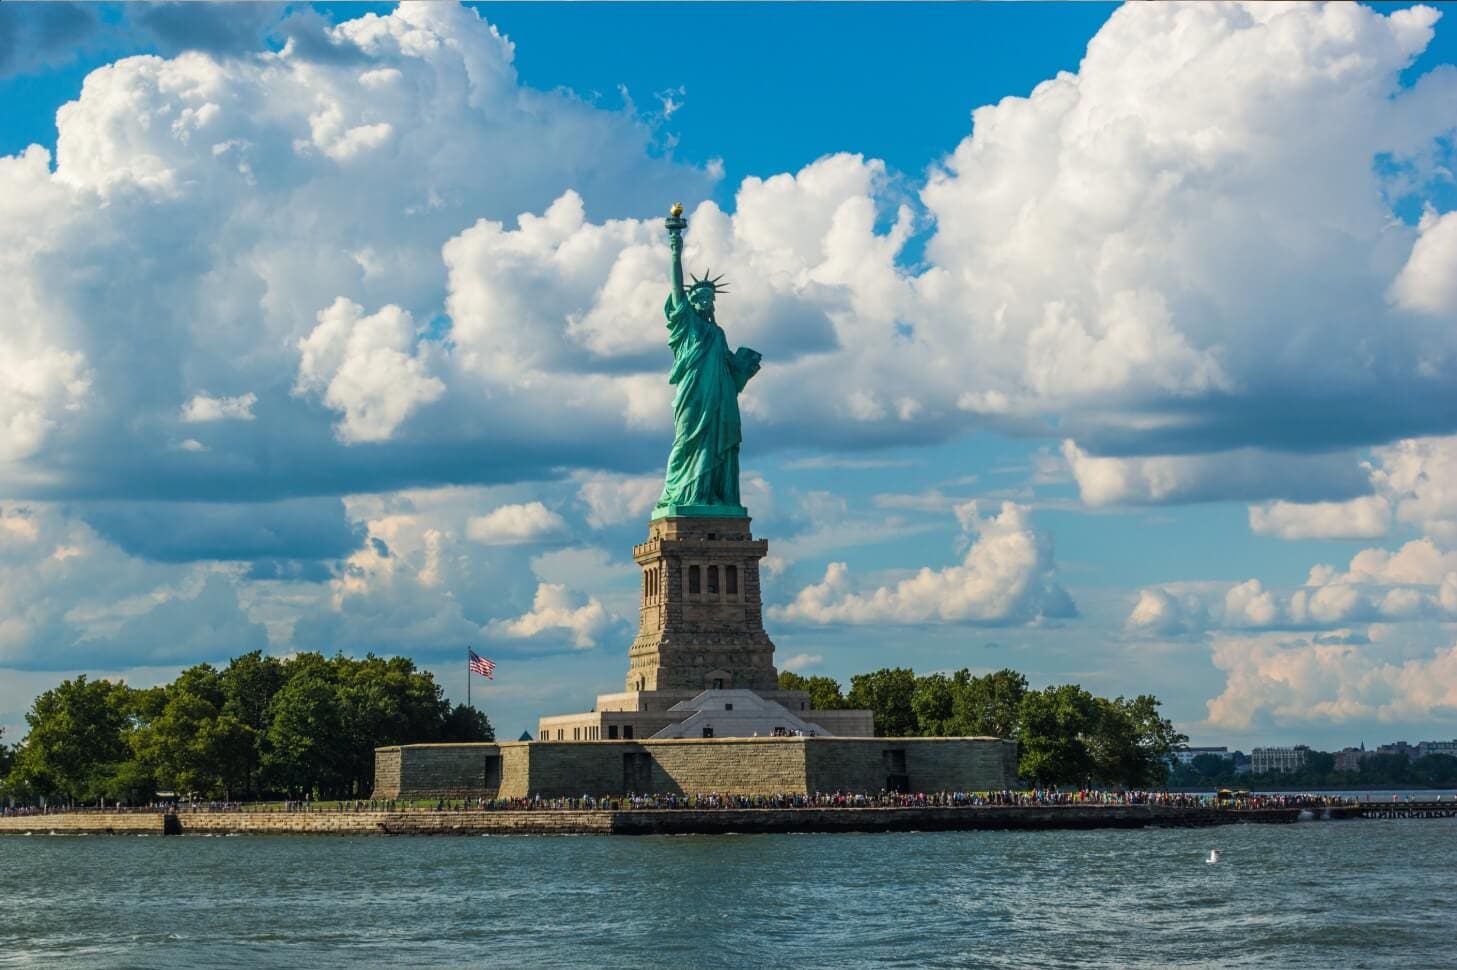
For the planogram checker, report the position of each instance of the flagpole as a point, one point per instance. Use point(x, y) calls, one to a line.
point(467, 679)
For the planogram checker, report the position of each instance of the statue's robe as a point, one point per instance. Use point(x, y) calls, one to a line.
point(703, 467)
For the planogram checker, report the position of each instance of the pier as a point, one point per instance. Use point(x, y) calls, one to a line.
point(1422, 809)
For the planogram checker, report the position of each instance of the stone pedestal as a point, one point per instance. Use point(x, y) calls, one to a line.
point(700, 645)
point(701, 624)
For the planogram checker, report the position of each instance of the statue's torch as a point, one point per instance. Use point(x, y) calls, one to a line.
point(675, 221)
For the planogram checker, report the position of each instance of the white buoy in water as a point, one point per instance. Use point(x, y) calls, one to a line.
point(1213, 856)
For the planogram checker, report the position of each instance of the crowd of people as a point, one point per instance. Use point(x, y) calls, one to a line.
point(1033, 798)
point(1007, 798)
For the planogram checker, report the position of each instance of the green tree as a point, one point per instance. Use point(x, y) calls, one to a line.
point(1319, 766)
point(1131, 743)
point(1435, 769)
point(1385, 769)
point(934, 702)
point(77, 742)
point(887, 692)
point(304, 732)
point(7, 758)
point(824, 692)
point(382, 701)
point(1211, 766)
point(192, 744)
point(261, 726)
point(991, 705)
point(1056, 726)
point(249, 683)
point(789, 680)
point(467, 724)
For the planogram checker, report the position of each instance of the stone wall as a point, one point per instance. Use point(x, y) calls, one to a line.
point(675, 822)
point(396, 823)
point(387, 772)
point(740, 766)
point(912, 764)
point(730, 766)
point(85, 823)
point(438, 771)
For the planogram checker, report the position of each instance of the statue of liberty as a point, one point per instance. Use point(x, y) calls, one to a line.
point(703, 467)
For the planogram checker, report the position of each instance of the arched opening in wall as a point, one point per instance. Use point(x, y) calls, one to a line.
point(731, 580)
point(712, 580)
point(694, 582)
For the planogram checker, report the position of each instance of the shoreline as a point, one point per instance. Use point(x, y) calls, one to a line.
point(721, 821)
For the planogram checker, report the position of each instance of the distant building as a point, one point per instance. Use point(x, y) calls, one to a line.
point(1349, 759)
point(1448, 748)
point(1186, 756)
point(1268, 761)
point(1407, 751)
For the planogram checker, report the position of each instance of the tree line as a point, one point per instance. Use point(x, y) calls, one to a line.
point(1065, 735)
point(1376, 770)
point(260, 727)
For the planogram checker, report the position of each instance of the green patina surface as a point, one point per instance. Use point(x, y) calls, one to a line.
point(703, 468)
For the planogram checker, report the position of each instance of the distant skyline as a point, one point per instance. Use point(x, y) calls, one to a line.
point(1111, 344)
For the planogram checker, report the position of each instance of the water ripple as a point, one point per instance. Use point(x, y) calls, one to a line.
point(1360, 894)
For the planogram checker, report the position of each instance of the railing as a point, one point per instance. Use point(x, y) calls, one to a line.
point(1422, 809)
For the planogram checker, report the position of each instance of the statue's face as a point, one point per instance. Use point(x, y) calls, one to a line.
point(702, 299)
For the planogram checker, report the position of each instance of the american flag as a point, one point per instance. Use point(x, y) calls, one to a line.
point(480, 665)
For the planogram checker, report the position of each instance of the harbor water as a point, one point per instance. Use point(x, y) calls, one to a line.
point(1317, 894)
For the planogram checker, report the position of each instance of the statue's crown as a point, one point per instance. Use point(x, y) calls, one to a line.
point(711, 284)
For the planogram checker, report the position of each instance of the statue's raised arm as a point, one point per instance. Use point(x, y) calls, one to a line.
point(676, 224)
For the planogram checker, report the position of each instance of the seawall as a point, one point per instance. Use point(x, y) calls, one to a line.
point(665, 821)
point(87, 823)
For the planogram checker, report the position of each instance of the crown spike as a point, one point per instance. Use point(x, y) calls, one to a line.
point(714, 283)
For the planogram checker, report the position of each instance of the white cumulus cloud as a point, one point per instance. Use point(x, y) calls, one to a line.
point(1006, 577)
point(1163, 612)
point(613, 499)
point(514, 524)
point(203, 408)
point(1427, 283)
point(1367, 517)
point(555, 611)
point(1279, 680)
point(366, 368)
point(1241, 473)
point(801, 661)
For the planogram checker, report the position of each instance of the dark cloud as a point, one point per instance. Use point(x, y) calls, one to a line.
point(291, 570)
point(1295, 416)
point(293, 531)
point(217, 28)
point(210, 626)
point(308, 30)
point(36, 36)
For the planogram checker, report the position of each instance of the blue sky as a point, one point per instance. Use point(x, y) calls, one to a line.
point(1140, 376)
